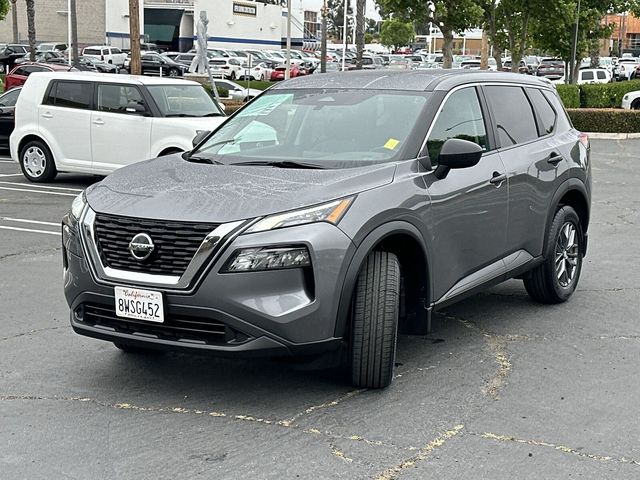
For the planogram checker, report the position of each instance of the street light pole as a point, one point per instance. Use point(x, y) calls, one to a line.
point(574, 50)
point(323, 44)
point(287, 73)
point(69, 39)
point(344, 33)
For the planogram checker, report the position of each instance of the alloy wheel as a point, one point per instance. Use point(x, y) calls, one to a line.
point(566, 254)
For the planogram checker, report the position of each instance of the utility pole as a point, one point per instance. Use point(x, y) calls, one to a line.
point(323, 42)
point(287, 73)
point(14, 21)
point(73, 52)
point(134, 36)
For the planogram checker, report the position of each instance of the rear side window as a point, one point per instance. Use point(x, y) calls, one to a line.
point(563, 123)
point(70, 95)
point(601, 75)
point(91, 51)
point(546, 114)
point(587, 75)
point(116, 98)
point(20, 71)
point(515, 121)
point(460, 117)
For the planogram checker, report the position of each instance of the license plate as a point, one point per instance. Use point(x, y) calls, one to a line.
point(139, 304)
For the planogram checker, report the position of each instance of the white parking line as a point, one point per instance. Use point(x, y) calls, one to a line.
point(11, 175)
point(29, 230)
point(31, 185)
point(23, 220)
point(7, 161)
point(38, 191)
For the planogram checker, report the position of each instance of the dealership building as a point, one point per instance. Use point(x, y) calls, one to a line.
point(172, 23)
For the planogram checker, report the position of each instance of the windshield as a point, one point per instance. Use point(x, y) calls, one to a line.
point(184, 101)
point(331, 128)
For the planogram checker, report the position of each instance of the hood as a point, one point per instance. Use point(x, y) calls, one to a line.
point(170, 188)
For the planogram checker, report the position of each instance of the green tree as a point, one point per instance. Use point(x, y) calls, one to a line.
point(396, 33)
point(450, 16)
point(556, 32)
point(335, 18)
point(5, 6)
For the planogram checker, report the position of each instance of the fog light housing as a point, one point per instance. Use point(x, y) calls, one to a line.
point(268, 258)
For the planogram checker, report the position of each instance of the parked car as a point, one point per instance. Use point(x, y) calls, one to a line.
point(626, 67)
point(551, 68)
point(278, 73)
point(522, 67)
point(331, 67)
point(7, 119)
point(52, 47)
point(93, 64)
point(236, 91)
point(106, 53)
point(325, 220)
point(631, 100)
point(121, 119)
point(257, 71)
point(18, 76)
point(10, 53)
point(49, 56)
point(230, 68)
point(152, 63)
point(593, 75)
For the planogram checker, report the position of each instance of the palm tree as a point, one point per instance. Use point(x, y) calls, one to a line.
point(31, 27)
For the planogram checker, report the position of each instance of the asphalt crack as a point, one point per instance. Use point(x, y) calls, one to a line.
point(325, 405)
point(557, 447)
point(31, 332)
point(29, 252)
point(422, 454)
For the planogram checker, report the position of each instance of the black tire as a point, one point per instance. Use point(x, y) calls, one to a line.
point(543, 283)
point(636, 104)
point(136, 350)
point(37, 163)
point(374, 323)
point(233, 75)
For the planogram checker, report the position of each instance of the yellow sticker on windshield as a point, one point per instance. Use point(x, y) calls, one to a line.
point(391, 144)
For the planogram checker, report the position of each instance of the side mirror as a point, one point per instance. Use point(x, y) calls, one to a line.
point(200, 136)
point(135, 108)
point(457, 153)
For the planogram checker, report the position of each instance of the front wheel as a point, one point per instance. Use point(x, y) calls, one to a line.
point(555, 280)
point(374, 327)
point(233, 75)
point(174, 72)
point(36, 162)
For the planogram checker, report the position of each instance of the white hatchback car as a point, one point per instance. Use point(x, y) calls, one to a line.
point(96, 123)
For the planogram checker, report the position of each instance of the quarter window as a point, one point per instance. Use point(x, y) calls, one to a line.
point(460, 117)
point(515, 121)
point(116, 98)
point(546, 113)
point(601, 75)
point(587, 75)
point(71, 95)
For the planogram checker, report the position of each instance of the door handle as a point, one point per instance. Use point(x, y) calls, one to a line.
point(98, 121)
point(47, 115)
point(498, 178)
point(555, 159)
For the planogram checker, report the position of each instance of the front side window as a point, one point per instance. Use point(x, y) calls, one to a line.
point(332, 128)
point(515, 121)
point(71, 95)
point(116, 98)
point(460, 117)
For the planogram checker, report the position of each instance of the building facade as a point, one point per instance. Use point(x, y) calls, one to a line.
point(625, 37)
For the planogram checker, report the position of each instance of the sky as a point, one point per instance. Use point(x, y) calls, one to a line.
point(316, 5)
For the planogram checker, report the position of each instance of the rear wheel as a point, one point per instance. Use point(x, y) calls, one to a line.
point(174, 72)
point(557, 278)
point(374, 327)
point(233, 75)
point(636, 104)
point(36, 162)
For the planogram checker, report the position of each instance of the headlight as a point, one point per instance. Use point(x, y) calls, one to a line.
point(78, 206)
point(330, 212)
point(268, 258)
point(70, 238)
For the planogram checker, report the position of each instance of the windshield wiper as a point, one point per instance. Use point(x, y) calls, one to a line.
point(281, 164)
point(212, 114)
point(197, 159)
point(179, 115)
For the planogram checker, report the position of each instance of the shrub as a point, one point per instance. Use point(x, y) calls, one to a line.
point(570, 95)
point(605, 120)
point(606, 95)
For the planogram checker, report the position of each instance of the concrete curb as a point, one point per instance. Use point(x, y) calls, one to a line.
point(614, 136)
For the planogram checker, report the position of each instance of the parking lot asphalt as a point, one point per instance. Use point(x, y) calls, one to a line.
point(502, 388)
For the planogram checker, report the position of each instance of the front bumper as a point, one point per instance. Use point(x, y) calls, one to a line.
point(277, 312)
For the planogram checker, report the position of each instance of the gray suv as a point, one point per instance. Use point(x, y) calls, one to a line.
point(332, 212)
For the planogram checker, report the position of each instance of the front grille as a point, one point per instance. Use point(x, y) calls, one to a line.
point(175, 327)
point(175, 243)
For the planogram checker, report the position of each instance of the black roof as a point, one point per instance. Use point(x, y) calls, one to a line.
point(413, 80)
